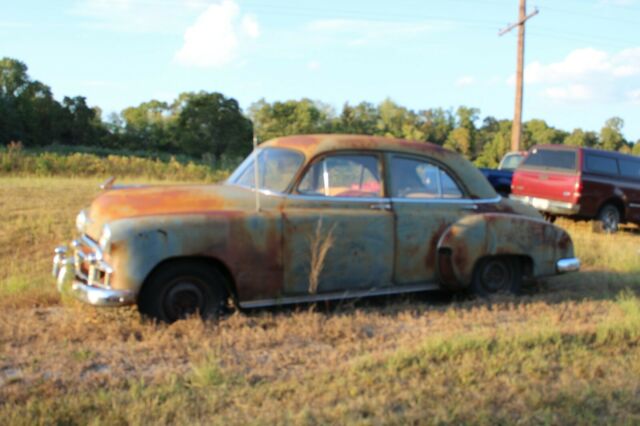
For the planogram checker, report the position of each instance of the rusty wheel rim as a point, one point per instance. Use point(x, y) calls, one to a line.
point(184, 298)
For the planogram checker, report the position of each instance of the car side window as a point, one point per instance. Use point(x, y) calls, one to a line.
point(412, 178)
point(343, 176)
point(603, 165)
point(630, 168)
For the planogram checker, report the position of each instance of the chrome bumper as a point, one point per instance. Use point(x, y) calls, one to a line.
point(549, 206)
point(92, 288)
point(571, 264)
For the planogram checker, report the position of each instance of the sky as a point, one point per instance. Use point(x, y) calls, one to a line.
point(582, 59)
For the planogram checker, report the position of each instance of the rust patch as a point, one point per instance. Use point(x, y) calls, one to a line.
point(430, 259)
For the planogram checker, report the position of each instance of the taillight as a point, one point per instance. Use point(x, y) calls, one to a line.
point(578, 188)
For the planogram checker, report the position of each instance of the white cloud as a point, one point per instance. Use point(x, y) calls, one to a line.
point(214, 39)
point(313, 65)
point(634, 96)
point(572, 92)
point(359, 32)
point(585, 75)
point(464, 81)
point(250, 26)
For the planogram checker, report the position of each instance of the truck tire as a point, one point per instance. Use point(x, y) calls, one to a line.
point(609, 217)
point(497, 275)
point(183, 288)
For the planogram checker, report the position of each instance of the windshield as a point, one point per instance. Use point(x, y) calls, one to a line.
point(276, 169)
point(511, 161)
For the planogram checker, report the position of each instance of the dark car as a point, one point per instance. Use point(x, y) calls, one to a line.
point(581, 183)
point(500, 178)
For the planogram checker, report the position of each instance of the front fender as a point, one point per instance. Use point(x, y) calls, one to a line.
point(140, 244)
point(492, 234)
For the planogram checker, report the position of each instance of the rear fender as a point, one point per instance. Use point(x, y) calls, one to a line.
point(499, 234)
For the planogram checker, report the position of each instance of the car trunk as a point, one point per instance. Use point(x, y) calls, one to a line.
point(549, 174)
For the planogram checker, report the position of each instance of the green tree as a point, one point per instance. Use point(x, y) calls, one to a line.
point(500, 144)
point(82, 124)
point(210, 123)
point(289, 118)
point(397, 121)
point(359, 119)
point(611, 134)
point(537, 132)
point(581, 138)
point(27, 109)
point(436, 124)
point(148, 126)
point(462, 138)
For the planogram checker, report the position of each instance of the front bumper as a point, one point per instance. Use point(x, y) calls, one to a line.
point(549, 206)
point(571, 264)
point(86, 276)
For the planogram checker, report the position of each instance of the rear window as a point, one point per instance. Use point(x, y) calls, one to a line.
point(602, 165)
point(551, 159)
point(630, 168)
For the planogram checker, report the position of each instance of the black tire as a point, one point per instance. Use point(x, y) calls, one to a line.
point(609, 218)
point(497, 275)
point(549, 217)
point(183, 288)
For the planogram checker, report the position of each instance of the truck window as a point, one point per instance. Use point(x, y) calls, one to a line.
point(551, 159)
point(602, 165)
point(630, 168)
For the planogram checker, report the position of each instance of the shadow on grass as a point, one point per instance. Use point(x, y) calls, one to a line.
point(577, 287)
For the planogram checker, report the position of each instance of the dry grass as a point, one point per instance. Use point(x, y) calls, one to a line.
point(319, 245)
point(566, 353)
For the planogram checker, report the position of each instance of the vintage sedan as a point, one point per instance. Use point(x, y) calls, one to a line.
point(304, 219)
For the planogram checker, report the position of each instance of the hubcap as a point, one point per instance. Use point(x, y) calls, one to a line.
point(183, 299)
point(495, 276)
point(610, 220)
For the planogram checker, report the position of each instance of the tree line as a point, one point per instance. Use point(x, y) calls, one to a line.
point(211, 125)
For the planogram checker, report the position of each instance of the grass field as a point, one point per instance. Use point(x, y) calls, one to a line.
point(567, 352)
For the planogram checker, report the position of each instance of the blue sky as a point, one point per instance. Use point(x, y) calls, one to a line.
point(582, 57)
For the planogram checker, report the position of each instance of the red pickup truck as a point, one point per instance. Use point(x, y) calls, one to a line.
point(581, 183)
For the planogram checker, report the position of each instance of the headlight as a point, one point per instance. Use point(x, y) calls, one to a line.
point(105, 239)
point(82, 220)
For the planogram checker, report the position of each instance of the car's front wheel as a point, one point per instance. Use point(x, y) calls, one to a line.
point(181, 289)
point(497, 275)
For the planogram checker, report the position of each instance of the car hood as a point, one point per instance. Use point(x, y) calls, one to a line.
point(166, 200)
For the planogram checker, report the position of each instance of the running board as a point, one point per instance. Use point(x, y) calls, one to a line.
point(339, 295)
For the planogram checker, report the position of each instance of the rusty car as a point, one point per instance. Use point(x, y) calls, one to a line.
point(305, 219)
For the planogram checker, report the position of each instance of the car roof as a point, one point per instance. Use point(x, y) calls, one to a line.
point(314, 145)
point(587, 150)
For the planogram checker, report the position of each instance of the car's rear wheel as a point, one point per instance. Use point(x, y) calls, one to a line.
point(609, 218)
point(183, 288)
point(497, 275)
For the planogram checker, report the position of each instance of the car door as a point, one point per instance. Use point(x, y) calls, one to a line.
point(338, 227)
point(426, 200)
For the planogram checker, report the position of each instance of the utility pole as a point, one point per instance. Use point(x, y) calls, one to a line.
point(516, 129)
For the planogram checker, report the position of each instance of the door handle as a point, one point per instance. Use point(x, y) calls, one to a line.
point(469, 207)
point(380, 206)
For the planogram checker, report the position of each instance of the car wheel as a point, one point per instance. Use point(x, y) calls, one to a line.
point(609, 218)
point(549, 217)
point(497, 275)
point(181, 289)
